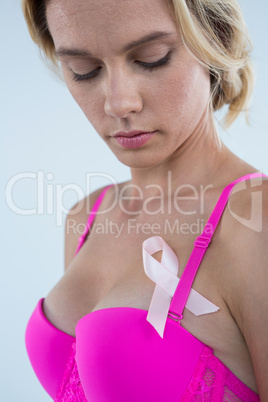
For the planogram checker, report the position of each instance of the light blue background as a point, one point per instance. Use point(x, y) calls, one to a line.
point(42, 129)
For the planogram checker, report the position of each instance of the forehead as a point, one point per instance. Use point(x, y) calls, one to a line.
point(110, 22)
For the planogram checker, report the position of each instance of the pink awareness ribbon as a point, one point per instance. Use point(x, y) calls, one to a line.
point(164, 274)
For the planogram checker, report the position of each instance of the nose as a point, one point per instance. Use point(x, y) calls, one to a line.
point(122, 95)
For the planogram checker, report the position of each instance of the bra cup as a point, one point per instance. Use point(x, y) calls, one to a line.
point(126, 359)
point(48, 349)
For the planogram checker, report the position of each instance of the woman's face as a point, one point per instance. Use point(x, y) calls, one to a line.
point(125, 65)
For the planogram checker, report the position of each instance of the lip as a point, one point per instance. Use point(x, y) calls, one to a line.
point(133, 139)
point(129, 133)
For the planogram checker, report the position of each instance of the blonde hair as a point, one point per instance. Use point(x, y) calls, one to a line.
point(213, 31)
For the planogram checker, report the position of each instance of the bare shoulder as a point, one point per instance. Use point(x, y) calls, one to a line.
point(75, 224)
point(245, 233)
point(246, 289)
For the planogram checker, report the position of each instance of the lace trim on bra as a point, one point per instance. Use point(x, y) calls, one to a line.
point(211, 381)
point(70, 389)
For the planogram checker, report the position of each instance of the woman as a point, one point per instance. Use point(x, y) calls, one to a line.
point(148, 76)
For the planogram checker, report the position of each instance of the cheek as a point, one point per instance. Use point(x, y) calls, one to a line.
point(89, 100)
point(183, 95)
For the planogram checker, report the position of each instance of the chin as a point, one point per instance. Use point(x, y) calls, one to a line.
point(138, 162)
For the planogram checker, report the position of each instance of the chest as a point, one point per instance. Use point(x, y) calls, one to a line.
point(108, 272)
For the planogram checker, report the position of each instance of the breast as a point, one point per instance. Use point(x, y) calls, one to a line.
point(120, 357)
point(48, 349)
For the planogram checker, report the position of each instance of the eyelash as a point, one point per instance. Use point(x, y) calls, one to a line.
point(145, 66)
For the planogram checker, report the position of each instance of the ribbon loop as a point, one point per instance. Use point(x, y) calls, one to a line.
point(164, 274)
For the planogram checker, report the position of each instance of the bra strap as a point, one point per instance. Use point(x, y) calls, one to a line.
point(200, 247)
point(91, 217)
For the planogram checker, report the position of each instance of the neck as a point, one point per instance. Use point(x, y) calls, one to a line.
point(198, 161)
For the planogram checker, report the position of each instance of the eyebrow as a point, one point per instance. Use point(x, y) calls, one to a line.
point(145, 39)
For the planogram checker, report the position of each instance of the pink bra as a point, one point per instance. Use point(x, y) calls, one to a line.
point(119, 356)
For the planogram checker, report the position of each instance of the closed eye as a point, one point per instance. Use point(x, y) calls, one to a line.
point(158, 63)
point(84, 77)
point(146, 66)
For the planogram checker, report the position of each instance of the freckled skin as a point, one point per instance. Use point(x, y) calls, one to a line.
point(171, 99)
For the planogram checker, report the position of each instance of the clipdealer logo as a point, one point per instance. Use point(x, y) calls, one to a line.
point(46, 198)
point(255, 220)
